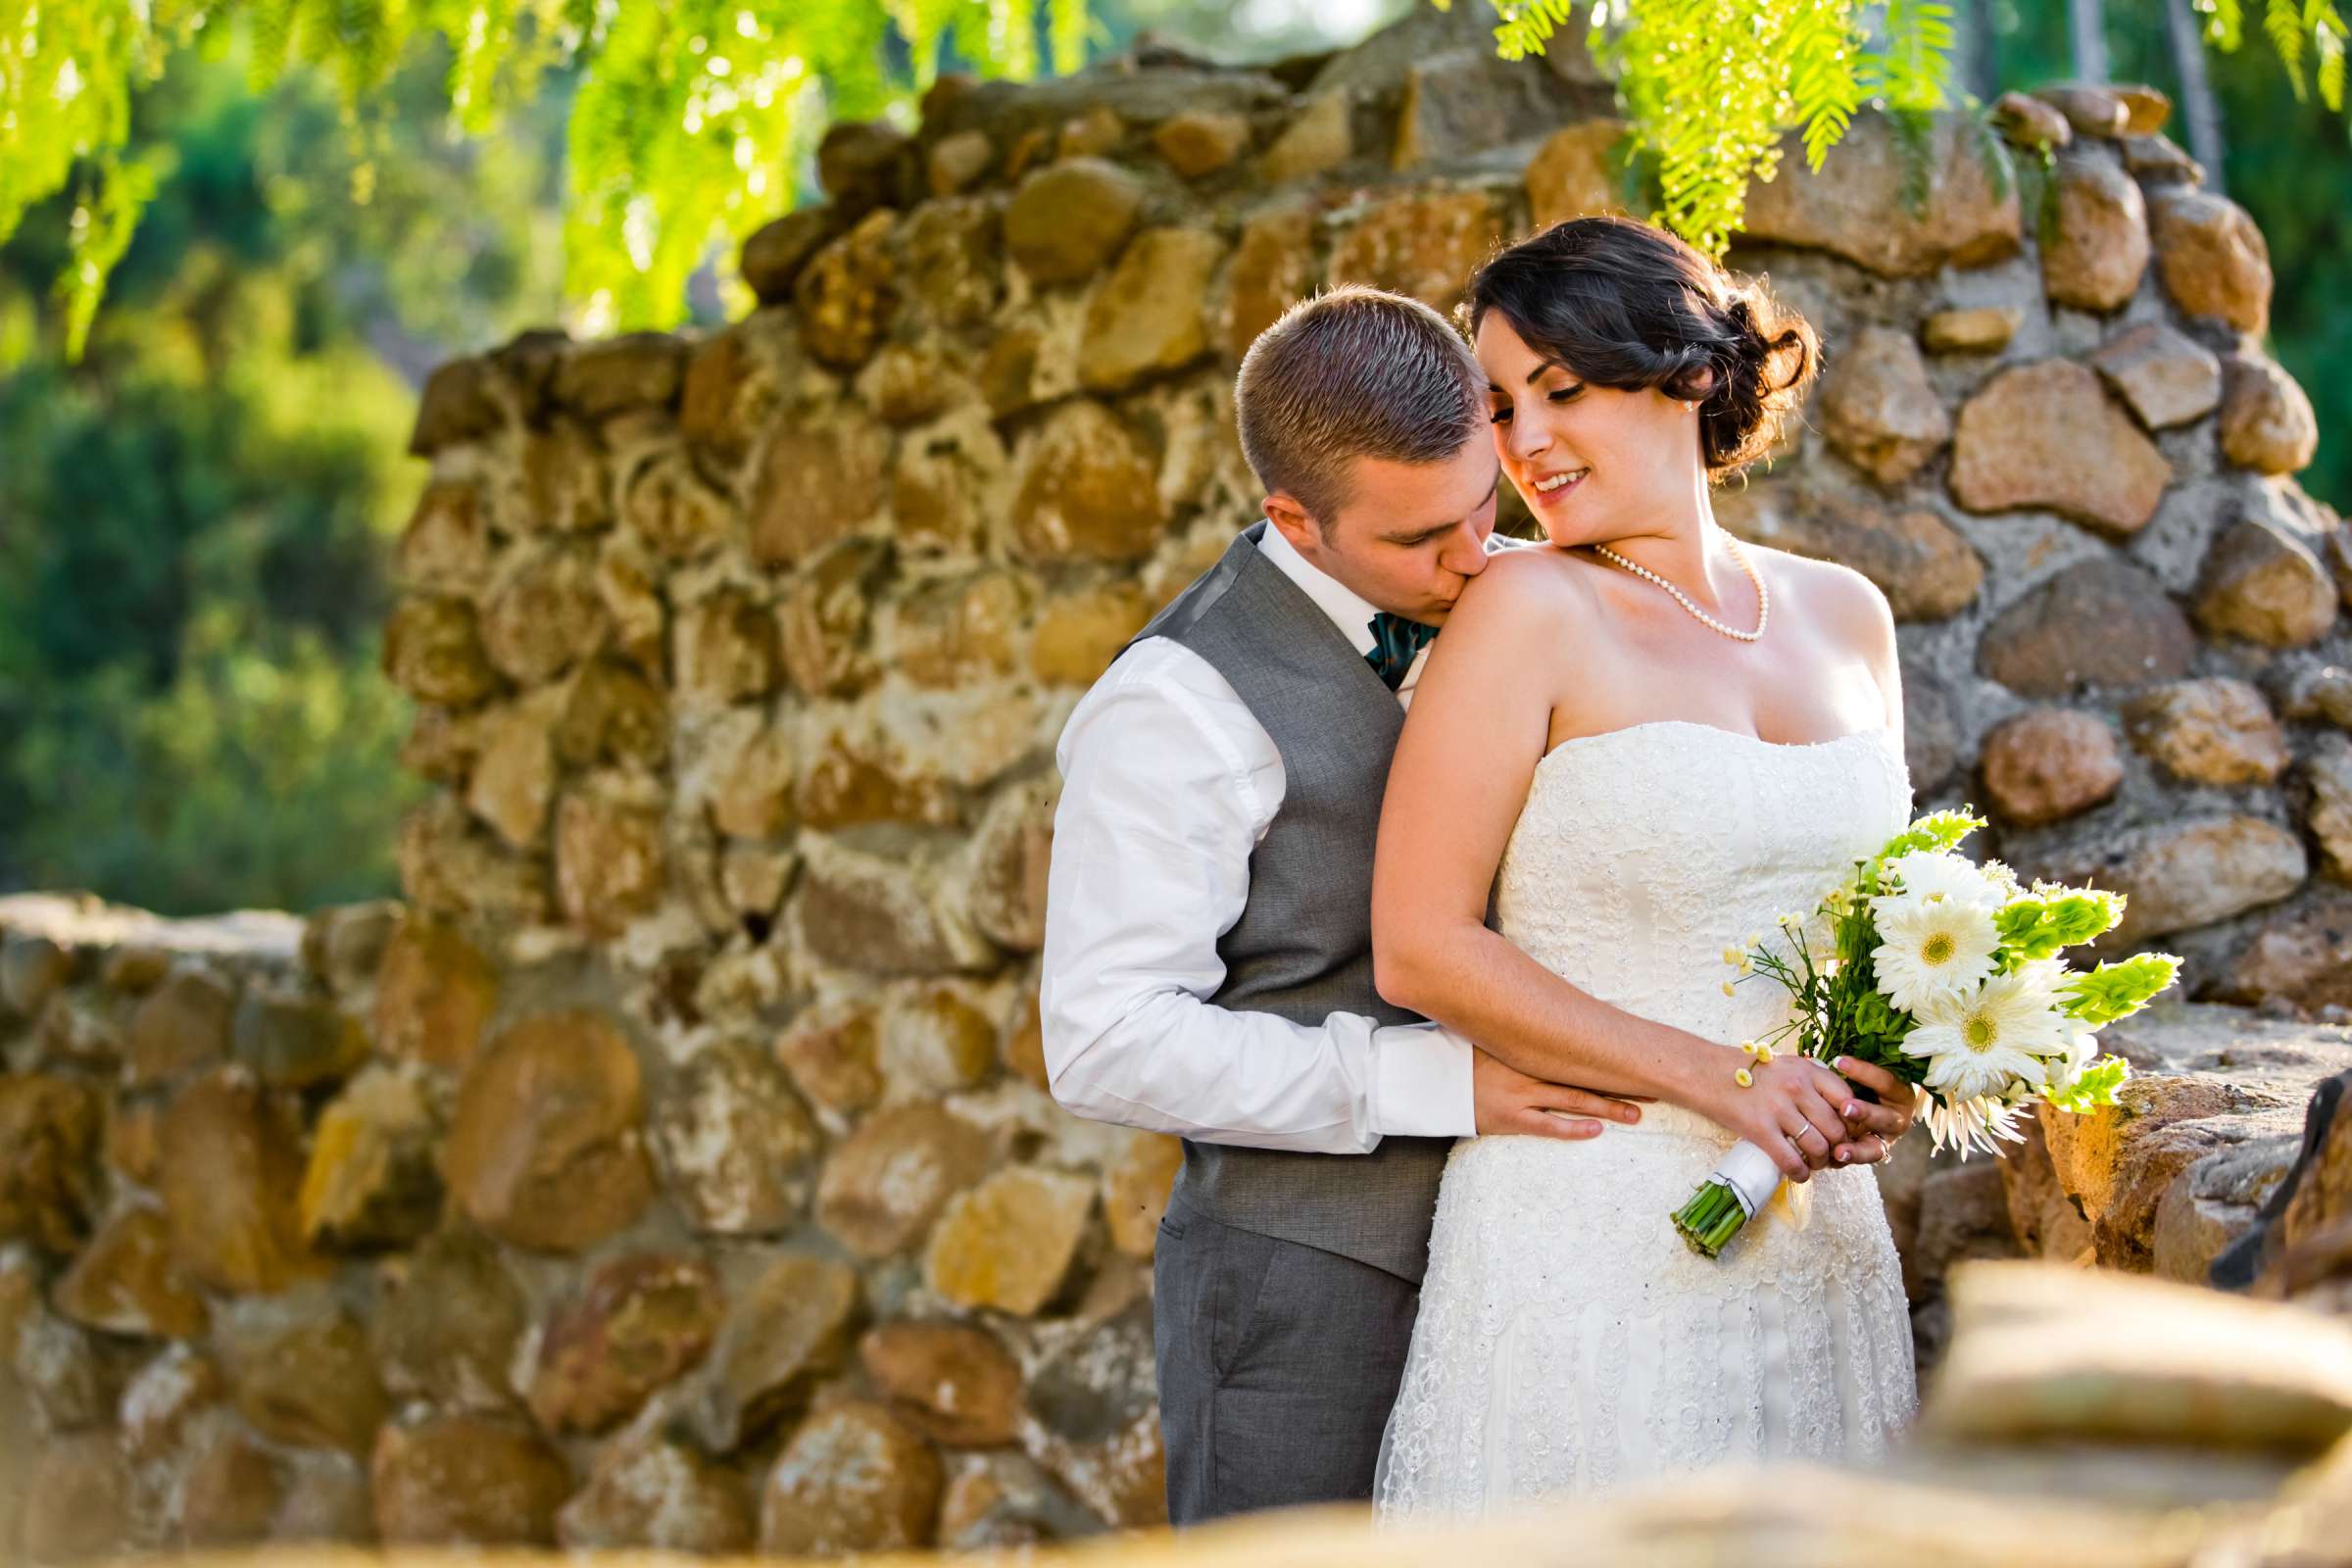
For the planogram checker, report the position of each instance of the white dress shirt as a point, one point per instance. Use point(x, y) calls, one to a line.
point(1168, 785)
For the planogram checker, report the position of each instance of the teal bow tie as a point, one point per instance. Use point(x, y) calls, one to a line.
point(1394, 643)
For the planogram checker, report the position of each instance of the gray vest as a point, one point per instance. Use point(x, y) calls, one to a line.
point(1302, 947)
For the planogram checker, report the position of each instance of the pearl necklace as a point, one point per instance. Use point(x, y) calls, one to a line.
point(1763, 594)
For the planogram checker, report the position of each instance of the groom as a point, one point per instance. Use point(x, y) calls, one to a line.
point(1209, 940)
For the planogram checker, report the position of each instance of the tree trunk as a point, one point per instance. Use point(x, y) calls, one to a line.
point(2086, 30)
point(2199, 110)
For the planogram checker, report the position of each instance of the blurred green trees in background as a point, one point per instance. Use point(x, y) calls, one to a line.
point(2286, 161)
point(194, 520)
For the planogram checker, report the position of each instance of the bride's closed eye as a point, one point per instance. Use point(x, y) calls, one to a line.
point(1566, 394)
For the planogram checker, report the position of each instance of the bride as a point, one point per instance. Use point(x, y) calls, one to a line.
point(1642, 752)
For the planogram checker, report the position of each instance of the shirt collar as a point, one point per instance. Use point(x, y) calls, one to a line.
point(1349, 611)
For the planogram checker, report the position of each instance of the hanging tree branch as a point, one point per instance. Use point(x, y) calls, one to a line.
point(1711, 87)
point(691, 120)
point(693, 115)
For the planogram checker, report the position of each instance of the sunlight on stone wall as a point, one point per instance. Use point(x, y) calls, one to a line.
point(674, 1165)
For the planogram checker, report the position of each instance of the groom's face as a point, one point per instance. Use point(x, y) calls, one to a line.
point(1409, 534)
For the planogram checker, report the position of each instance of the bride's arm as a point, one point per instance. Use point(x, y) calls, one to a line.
point(1480, 723)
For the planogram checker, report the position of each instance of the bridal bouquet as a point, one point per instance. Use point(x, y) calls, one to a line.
point(1947, 974)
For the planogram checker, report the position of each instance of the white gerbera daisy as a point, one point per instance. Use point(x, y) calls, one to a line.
point(1976, 1042)
point(1929, 948)
point(1934, 877)
point(1970, 1125)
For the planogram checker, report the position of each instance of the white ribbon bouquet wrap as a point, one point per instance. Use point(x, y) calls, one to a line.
point(1947, 974)
point(1755, 1181)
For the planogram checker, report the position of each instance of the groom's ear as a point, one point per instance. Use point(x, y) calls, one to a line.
point(1303, 531)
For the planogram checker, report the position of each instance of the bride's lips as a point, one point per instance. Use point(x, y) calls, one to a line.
point(1538, 495)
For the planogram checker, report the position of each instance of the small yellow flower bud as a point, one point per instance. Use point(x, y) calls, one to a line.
point(1729, 990)
point(1734, 955)
point(1745, 1079)
point(1748, 1045)
point(1763, 1055)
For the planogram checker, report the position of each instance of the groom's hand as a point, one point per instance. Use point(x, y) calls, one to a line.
point(1872, 1129)
point(1508, 1100)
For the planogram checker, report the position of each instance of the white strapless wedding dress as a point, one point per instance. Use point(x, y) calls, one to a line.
point(1568, 1342)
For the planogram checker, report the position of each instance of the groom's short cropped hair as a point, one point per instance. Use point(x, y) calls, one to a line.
point(1356, 373)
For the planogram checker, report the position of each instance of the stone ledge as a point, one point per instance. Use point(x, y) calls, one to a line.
point(2175, 1172)
point(85, 920)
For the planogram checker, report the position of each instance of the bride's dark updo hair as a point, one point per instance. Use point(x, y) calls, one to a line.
point(1623, 305)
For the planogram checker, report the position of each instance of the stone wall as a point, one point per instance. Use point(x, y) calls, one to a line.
point(675, 1166)
point(338, 1229)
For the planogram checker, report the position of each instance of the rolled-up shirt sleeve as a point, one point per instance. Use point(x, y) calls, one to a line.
point(1168, 785)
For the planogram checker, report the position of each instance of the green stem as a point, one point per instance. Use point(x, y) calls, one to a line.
point(1711, 1219)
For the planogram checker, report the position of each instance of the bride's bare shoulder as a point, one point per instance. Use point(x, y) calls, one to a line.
point(1526, 588)
point(1828, 594)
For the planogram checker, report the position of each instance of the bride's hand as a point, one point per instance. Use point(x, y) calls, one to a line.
point(1873, 1128)
point(1791, 1111)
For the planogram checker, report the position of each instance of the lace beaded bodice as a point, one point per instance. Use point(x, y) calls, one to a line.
point(1567, 1342)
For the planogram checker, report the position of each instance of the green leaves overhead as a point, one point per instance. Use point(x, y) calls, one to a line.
point(2291, 25)
point(1527, 26)
point(2225, 23)
point(1738, 64)
point(1004, 33)
point(692, 120)
point(2317, 23)
point(1912, 63)
point(1711, 85)
point(689, 125)
point(97, 234)
point(693, 116)
point(1826, 80)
